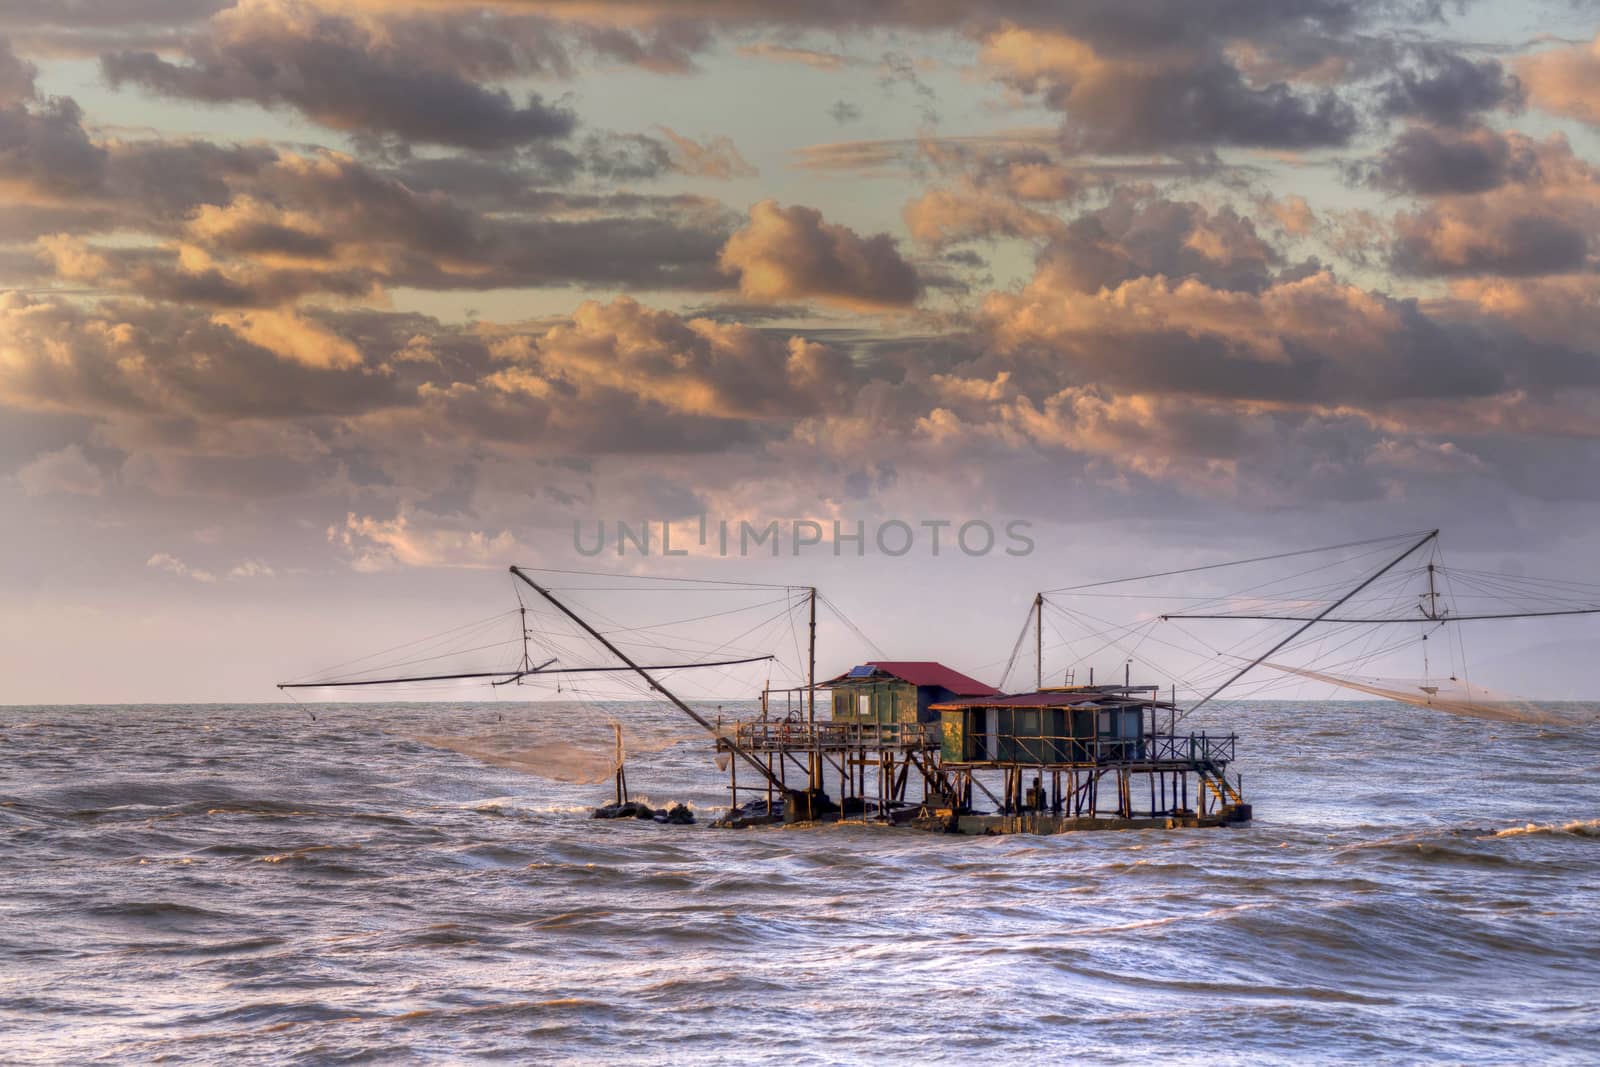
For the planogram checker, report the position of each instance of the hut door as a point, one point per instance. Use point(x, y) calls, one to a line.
point(991, 733)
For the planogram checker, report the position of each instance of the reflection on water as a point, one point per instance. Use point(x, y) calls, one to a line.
point(209, 884)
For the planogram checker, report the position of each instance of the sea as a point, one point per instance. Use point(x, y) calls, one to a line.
point(406, 883)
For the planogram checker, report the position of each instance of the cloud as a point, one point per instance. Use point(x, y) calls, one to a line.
point(1293, 214)
point(715, 158)
point(1135, 237)
point(1565, 81)
point(1310, 341)
point(694, 366)
point(66, 471)
point(162, 561)
point(379, 544)
point(45, 154)
point(1553, 309)
point(84, 27)
point(245, 571)
point(1446, 88)
point(791, 253)
point(247, 403)
point(1424, 161)
point(1542, 218)
point(943, 216)
point(225, 332)
point(294, 338)
point(409, 77)
point(786, 54)
point(1172, 97)
point(16, 76)
point(1001, 189)
point(264, 231)
point(158, 361)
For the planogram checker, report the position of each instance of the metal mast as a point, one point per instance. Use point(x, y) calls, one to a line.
point(1038, 640)
point(814, 766)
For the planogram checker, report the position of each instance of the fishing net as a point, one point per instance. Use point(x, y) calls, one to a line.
point(1451, 695)
point(564, 750)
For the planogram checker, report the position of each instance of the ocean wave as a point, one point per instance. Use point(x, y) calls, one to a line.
point(1576, 828)
point(346, 894)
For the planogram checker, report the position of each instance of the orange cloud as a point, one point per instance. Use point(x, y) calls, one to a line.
point(1565, 81)
point(791, 253)
point(714, 158)
point(294, 338)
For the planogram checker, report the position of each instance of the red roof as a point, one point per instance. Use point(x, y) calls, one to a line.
point(927, 672)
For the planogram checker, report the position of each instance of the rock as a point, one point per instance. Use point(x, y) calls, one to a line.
point(680, 815)
point(801, 805)
point(632, 809)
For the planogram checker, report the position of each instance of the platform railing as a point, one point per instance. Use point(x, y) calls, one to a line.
point(1191, 748)
point(1197, 750)
point(765, 735)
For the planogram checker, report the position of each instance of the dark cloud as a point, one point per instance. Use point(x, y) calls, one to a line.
point(16, 14)
point(1136, 236)
point(668, 48)
point(167, 179)
point(45, 151)
point(16, 76)
point(88, 27)
point(1448, 89)
point(1177, 98)
point(258, 228)
point(411, 78)
point(1425, 161)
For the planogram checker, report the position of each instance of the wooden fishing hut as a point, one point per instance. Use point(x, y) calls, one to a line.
point(876, 756)
point(899, 691)
point(1078, 758)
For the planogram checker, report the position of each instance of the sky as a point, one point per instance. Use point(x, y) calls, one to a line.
point(316, 315)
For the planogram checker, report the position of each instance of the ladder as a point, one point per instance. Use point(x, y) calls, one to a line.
point(1215, 780)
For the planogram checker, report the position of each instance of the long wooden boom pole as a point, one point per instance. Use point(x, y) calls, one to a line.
point(1329, 610)
point(645, 674)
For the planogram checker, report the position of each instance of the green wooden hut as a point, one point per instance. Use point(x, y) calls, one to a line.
point(1053, 726)
point(899, 691)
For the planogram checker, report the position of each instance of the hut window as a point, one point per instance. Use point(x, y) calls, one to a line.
point(864, 705)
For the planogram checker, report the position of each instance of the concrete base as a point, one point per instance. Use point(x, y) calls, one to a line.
point(1060, 824)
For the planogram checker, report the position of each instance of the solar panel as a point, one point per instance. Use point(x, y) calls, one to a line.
point(862, 672)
